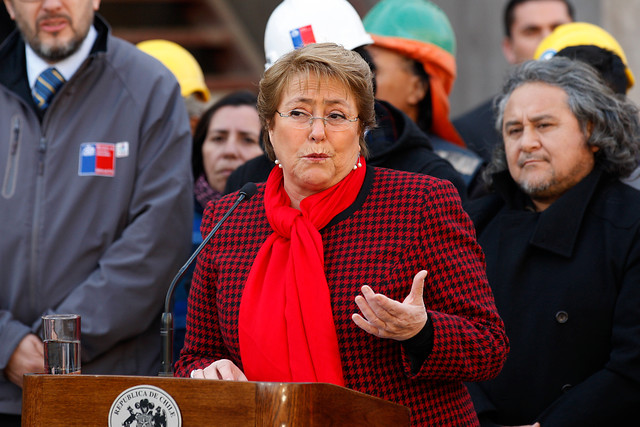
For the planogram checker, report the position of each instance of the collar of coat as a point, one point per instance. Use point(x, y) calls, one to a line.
point(558, 226)
point(13, 72)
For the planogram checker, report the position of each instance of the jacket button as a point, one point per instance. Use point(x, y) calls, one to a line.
point(565, 388)
point(562, 316)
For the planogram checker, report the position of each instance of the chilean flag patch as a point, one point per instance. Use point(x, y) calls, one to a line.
point(302, 36)
point(97, 159)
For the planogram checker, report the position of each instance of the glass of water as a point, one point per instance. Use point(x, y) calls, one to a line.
point(61, 343)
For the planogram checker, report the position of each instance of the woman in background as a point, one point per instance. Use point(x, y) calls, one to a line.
point(227, 135)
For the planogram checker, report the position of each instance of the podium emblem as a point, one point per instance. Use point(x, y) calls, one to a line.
point(144, 406)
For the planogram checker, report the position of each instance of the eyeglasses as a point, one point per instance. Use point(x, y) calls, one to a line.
point(302, 120)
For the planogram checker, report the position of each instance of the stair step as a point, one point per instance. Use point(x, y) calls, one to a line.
point(163, 13)
point(187, 37)
point(120, 2)
point(234, 81)
point(206, 28)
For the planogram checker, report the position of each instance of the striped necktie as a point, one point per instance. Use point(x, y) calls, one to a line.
point(46, 86)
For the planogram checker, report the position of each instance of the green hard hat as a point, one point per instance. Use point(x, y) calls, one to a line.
point(411, 19)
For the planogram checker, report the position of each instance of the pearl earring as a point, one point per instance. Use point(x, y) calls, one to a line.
point(277, 162)
point(357, 165)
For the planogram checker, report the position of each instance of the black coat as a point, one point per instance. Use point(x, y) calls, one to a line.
point(567, 284)
point(397, 143)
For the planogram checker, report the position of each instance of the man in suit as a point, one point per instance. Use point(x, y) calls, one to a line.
point(95, 192)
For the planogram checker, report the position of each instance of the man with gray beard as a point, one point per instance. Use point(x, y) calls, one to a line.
point(95, 192)
point(561, 235)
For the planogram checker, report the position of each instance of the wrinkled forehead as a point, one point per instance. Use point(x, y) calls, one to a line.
point(534, 101)
point(306, 85)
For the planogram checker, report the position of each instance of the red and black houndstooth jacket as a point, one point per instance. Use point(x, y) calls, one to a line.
point(400, 224)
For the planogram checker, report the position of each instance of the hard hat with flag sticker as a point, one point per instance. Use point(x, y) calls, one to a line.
point(297, 23)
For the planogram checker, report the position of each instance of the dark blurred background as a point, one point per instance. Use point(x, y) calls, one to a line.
point(226, 36)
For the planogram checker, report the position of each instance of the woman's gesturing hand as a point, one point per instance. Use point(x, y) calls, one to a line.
point(387, 318)
point(222, 369)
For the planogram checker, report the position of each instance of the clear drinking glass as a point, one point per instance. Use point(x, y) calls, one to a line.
point(61, 343)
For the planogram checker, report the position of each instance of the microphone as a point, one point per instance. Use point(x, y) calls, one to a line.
point(166, 329)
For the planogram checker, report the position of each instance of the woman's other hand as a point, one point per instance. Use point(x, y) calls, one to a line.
point(387, 318)
point(222, 369)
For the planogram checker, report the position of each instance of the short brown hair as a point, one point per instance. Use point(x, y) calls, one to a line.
point(324, 61)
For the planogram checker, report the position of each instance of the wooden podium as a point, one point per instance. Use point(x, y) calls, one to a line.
point(88, 400)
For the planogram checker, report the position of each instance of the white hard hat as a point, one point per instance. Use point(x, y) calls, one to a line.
point(297, 23)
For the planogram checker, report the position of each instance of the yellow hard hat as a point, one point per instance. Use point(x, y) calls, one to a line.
point(582, 34)
point(181, 63)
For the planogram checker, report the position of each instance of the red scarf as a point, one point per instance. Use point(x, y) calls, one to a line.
point(286, 328)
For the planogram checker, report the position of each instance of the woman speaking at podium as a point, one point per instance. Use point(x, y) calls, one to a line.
point(340, 272)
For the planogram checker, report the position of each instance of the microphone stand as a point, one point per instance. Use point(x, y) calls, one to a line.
point(166, 328)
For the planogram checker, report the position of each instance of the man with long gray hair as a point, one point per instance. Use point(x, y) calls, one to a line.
point(561, 237)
